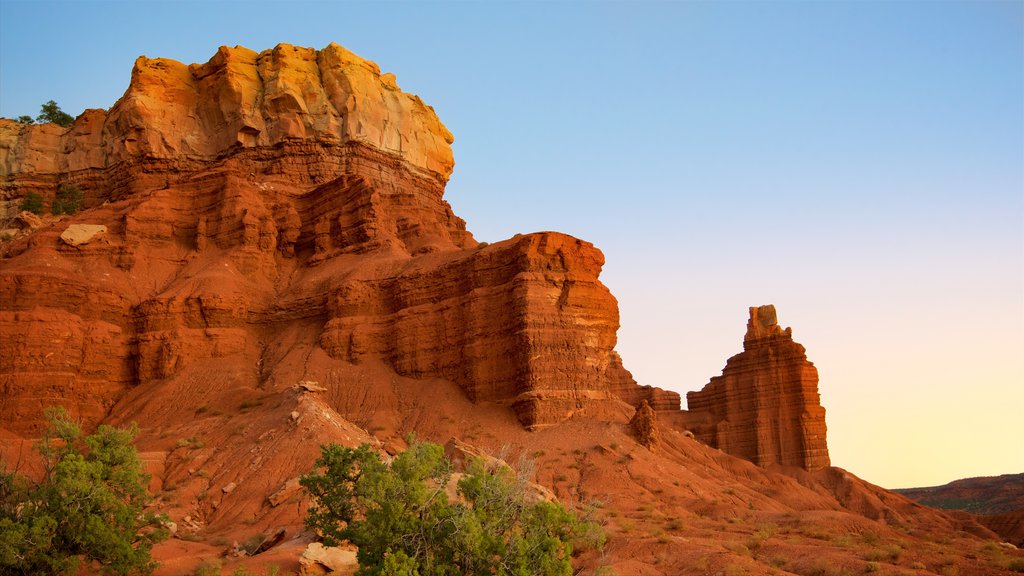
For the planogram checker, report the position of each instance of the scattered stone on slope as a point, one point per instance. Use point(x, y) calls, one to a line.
point(80, 234)
point(308, 386)
point(318, 560)
point(289, 489)
point(26, 220)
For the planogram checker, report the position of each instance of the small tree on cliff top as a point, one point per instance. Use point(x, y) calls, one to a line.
point(51, 112)
point(89, 505)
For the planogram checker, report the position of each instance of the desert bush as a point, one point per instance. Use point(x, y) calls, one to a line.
point(887, 553)
point(89, 505)
point(192, 443)
point(399, 516)
point(67, 201)
point(32, 202)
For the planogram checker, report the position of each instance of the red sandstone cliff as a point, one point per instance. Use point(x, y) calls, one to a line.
point(765, 406)
point(302, 188)
point(259, 192)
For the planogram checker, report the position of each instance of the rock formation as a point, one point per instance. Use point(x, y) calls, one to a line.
point(644, 425)
point(296, 195)
point(289, 189)
point(765, 406)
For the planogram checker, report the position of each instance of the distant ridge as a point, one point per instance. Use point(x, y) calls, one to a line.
point(986, 495)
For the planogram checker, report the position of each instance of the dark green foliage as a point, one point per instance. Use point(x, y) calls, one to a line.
point(89, 505)
point(68, 200)
point(25, 119)
point(333, 489)
point(51, 112)
point(33, 203)
point(399, 516)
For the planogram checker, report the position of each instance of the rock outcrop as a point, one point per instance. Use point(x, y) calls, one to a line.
point(239, 100)
point(260, 204)
point(765, 406)
point(645, 425)
point(290, 192)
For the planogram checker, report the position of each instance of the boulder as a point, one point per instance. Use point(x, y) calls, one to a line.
point(318, 559)
point(81, 234)
point(289, 489)
point(27, 220)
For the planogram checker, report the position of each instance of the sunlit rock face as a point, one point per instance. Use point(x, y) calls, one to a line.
point(260, 194)
point(765, 406)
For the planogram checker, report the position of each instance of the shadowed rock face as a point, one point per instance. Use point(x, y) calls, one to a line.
point(765, 406)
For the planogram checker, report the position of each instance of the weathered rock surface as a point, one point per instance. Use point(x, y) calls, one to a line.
point(302, 187)
point(298, 187)
point(319, 559)
point(240, 99)
point(79, 234)
point(765, 406)
point(290, 188)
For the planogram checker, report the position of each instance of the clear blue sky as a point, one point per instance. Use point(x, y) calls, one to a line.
point(858, 164)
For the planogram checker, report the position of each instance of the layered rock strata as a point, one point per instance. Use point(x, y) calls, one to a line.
point(262, 193)
point(765, 406)
point(240, 99)
point(263, 206)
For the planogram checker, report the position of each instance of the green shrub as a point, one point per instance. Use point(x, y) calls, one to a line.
point(399, 516)
point(51, 112)
point(68, 200)
point(89, 505)
point(33, 203)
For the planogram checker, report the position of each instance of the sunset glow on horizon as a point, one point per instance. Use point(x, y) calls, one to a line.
point(858, 165)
